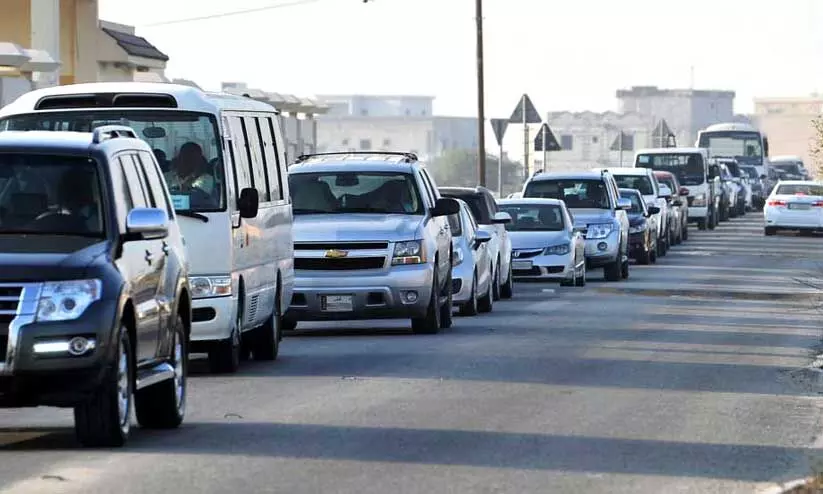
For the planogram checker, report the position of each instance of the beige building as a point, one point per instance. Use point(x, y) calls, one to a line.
point(788, 124)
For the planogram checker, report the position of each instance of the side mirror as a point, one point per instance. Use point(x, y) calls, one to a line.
point(481, 237)
point(147, 224)
point(684, 191)
point(624, 204)
point(445, 206)
point(502, 218)
point(248, 203)
point(580, 229)
point(653, 210)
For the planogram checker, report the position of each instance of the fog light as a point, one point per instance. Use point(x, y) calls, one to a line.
point(410, 297)
point(76, 346)
point(602, 246)
point(79, 345)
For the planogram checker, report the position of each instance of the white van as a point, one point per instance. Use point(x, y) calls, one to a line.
point(224, 162)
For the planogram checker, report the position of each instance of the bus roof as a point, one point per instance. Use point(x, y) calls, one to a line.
point(187, 97)
point(682, 150)
point(730, 127)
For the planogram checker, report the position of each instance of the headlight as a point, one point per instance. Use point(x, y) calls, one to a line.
point(457, 257)
point(67, 300)
point(638, 228)
point(210, 286)
point(599, 230)
point(556, 250)
point(699, 200)
point(410, 252)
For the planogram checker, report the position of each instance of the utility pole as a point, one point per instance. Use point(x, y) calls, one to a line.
point(481, 96)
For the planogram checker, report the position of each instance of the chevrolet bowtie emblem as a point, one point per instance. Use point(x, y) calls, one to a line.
point(336, 254)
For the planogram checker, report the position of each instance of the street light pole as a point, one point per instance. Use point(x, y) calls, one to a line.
point(481, 111)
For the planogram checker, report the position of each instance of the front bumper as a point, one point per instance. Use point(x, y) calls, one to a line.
point(547, 267)
point(602, 251)
point(212, 319)
point(462, 276)
point(382, 295)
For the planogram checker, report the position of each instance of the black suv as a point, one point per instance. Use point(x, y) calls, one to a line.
point(95, 308)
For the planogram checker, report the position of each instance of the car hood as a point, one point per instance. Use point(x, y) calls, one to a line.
point(536, 240)
point(584, 217)
point(47, 258)
point(356, 227)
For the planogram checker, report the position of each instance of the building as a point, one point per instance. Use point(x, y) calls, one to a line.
point(686, 110)
point(398, 123)
point(124, 56)
point(590, 140)
point(787, 122)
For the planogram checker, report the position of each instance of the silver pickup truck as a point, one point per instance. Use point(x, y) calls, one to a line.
point(371, 241)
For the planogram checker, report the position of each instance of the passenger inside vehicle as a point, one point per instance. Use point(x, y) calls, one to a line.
point(315, 196)
point(78, 208)
point(190, 169)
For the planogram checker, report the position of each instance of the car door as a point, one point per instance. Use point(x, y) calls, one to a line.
point(503, 243)
point(142, 258)
point(440, 229)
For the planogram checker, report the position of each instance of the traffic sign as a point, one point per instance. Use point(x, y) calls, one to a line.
point(545, 135)
point(499, 127)
point(525, 112)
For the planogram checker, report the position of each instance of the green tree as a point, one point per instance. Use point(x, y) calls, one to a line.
point(458, 168)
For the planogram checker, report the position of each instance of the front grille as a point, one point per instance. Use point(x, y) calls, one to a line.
point(526, 254)
point(341, 246)
point(534, 271)
point(342, 264)
point(554, 269)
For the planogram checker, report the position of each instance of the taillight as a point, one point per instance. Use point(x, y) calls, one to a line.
point(818, 204)
point(776, 202)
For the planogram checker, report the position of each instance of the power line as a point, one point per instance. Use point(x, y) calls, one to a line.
point(233, 13)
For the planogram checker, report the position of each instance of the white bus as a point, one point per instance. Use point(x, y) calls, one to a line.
point(225, 166)
point(740, 141)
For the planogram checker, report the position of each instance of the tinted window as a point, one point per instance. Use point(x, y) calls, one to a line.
point(355, 192)
point(454, 225)
point(256, 163)
point(139, 196)
point(534, 217)
point(155, 183)
point(478, 206)
point(50, 194)
point(186, 144)
point(800, 189)
point(641, 183)
point(687, 167)
point(241, 168)
point(576, 193)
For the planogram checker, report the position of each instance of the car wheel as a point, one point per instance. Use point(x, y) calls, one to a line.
point(611, 272)
point(224, 356)
point(288, 324)
point(769, 231)
point(624, 269)
point(104, 420)
point(446, 308)
point(496, 288)
point(163, 405)
point(507, 290)
point(486, 302)
point(430, 322)
point(266, 339)
point(469, 308)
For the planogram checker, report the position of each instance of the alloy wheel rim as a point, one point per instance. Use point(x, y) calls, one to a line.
point(123, 388)
point(179, 377)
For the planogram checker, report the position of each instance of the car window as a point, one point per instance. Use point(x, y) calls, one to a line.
point(637, 206)
point(50, 194)
point(534, 217)
point(454, 225)
point(800, 189)
point(642, 183)
point(355, 192)
point(137, 188)
point(582, 193)
point(478, 206)
point(156, 183)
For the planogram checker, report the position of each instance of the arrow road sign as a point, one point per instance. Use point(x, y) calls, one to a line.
point(545, 135)
point(499, 127)
point(525, 112)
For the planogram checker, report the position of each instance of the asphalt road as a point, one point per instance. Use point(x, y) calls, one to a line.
point(688, 377)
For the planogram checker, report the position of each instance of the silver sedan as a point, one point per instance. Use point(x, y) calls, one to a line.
point(472, 266)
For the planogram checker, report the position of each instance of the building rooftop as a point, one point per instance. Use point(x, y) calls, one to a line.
point(648, 91)
point(134, 45)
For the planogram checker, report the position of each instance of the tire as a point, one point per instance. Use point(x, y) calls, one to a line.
point(624, 269)
point(486, 303)
point(429, 323)
point(265, 340)
point(769, 231)
point(645, 258)
point(685, 233)
point(612, 272)
point(104, 420)
point(653, 255)
point(661, 247)
point(446, 308)
point(507, 290)
point(469, 308)
point(163, 406)
point(224, 356)
point(288, 324)
point(712, 221)
point(581, 278)
point(496, 288)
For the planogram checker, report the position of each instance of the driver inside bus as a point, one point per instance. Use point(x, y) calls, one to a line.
point(190, 170)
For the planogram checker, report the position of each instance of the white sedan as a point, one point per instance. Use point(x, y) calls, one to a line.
point(794, 205)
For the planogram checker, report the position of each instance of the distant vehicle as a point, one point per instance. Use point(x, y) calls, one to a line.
point(598, 212)
point(794, 205)
point(679, 202)
point(740, 141)
point(223, 158)
point(744, 192)
point(756, 184)
point(472, 264)
point(642, 237)
point(96, 306)
point(729, 188)
point(372, 240)
point(791, 166)
point(546, 243)
point(691, 167)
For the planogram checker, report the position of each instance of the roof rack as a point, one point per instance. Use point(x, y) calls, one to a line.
point(408, 157)
point(107, 132)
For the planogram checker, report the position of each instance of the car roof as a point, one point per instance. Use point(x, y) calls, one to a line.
point(664, 173)
point(337, 166)
point(584, 174)
point(625, 170)
point(683, 150)
point(531, 200)
point(630, 191)
point(463, 191)
point(72, 143)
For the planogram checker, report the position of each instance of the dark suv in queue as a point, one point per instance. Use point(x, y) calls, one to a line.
point(94, 304)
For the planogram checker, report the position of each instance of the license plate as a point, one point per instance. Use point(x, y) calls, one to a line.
point(336, 303)
point(521, 265)
point(799, 206)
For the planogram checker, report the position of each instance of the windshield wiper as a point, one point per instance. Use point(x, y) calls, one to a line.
point(192, 214)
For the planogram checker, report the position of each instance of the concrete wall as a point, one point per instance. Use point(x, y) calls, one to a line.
point(788, 124)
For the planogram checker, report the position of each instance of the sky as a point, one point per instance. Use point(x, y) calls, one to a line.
point(569, 55)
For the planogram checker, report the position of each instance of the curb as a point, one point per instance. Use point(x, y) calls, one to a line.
point(784, 488)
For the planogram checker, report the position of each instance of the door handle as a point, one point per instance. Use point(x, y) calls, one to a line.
point(165, 249)
point(149, 256)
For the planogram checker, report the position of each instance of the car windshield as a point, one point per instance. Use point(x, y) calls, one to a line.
point(668, 182)
point(577, 194)
point(733, 144)
point(186, 145)
point(750, 171)
point(455, 225)
point(687, 167)
point(791, 168)
point(641, 183)
point(477, 204)
point(800, 189)
point(354, 192)
point(534, 217)
point(50, 195)
point(635, 198)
